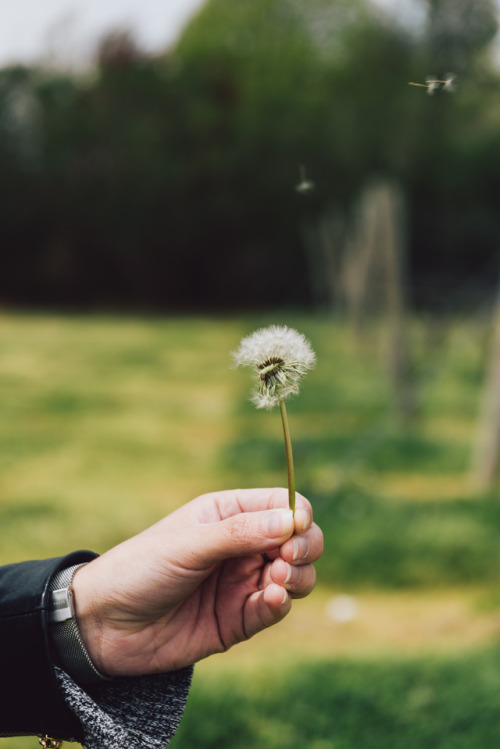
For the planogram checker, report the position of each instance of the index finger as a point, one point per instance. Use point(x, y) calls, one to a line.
point(225, 504)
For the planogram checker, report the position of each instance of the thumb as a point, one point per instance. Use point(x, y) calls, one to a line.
point(245, 533)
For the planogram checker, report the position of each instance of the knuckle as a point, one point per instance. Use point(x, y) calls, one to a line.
point(239, 531)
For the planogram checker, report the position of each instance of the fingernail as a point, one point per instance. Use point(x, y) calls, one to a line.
point(285, 596)
point(279, 523)
point(300, 549)
point(302, 519)
point(289, 571)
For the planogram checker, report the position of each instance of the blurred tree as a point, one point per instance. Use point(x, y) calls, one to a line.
point(457, 30)
point(169, 181)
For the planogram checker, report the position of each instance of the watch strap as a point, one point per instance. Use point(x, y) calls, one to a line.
point(64, 632)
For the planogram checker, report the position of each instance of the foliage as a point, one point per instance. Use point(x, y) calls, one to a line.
point(392, 545)
point(340, 705)
point(168, 182)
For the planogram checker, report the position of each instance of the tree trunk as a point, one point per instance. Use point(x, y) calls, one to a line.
point(486, 451)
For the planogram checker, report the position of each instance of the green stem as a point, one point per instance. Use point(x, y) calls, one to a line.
point(289, 456)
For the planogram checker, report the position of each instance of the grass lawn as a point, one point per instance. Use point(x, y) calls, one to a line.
point(393, 703)
point(107, 423)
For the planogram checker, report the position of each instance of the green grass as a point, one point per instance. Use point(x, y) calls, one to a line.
point(385, 544)
point(107, 423)
point(342, 704)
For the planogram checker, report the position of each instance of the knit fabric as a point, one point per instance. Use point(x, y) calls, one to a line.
point(137, 712)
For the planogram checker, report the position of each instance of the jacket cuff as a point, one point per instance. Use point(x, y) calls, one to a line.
point(33, 703)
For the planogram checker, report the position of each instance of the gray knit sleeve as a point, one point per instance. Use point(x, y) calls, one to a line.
point(143, 711)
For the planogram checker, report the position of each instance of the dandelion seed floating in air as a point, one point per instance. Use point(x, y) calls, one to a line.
point(280, 357)
point(434, 84)
point(305, 185)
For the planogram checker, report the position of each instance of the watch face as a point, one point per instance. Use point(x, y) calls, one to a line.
point(60, 609)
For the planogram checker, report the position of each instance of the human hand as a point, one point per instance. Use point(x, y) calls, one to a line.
point(211, 574)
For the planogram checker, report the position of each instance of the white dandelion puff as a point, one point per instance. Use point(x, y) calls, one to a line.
point(432, 86)
point(446, 84)
point(449, 82)
point(280, 357)
point(435, 84)
point(305, 185)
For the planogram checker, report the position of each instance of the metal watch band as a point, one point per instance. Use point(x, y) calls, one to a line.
point(64, 632)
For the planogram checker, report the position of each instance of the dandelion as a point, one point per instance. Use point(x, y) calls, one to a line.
point(280, 357)
point(305, 185)
point(435, 84)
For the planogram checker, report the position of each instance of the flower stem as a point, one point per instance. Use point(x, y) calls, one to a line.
point(289, 456)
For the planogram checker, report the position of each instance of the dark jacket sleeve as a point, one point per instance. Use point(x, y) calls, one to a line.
point(32, 702)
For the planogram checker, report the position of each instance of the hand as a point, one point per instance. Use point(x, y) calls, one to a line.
point(213, 573)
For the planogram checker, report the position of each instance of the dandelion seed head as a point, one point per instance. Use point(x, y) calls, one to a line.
point(446, 84)
point(449, 82)
point(304, 186)
point(280, 357)
point(435, 84)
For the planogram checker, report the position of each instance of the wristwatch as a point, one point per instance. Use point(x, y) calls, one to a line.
point(64, 632)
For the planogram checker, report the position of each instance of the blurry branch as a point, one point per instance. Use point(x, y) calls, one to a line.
point(487, 447)
point(362, 280)
point(393, 241)
point(362, 269)
point(118, 49)
point(375, 279)
point(324, 242)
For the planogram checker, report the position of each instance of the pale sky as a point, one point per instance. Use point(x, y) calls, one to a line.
point(65, 31)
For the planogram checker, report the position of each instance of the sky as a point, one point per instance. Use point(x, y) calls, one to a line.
point(65, 31)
